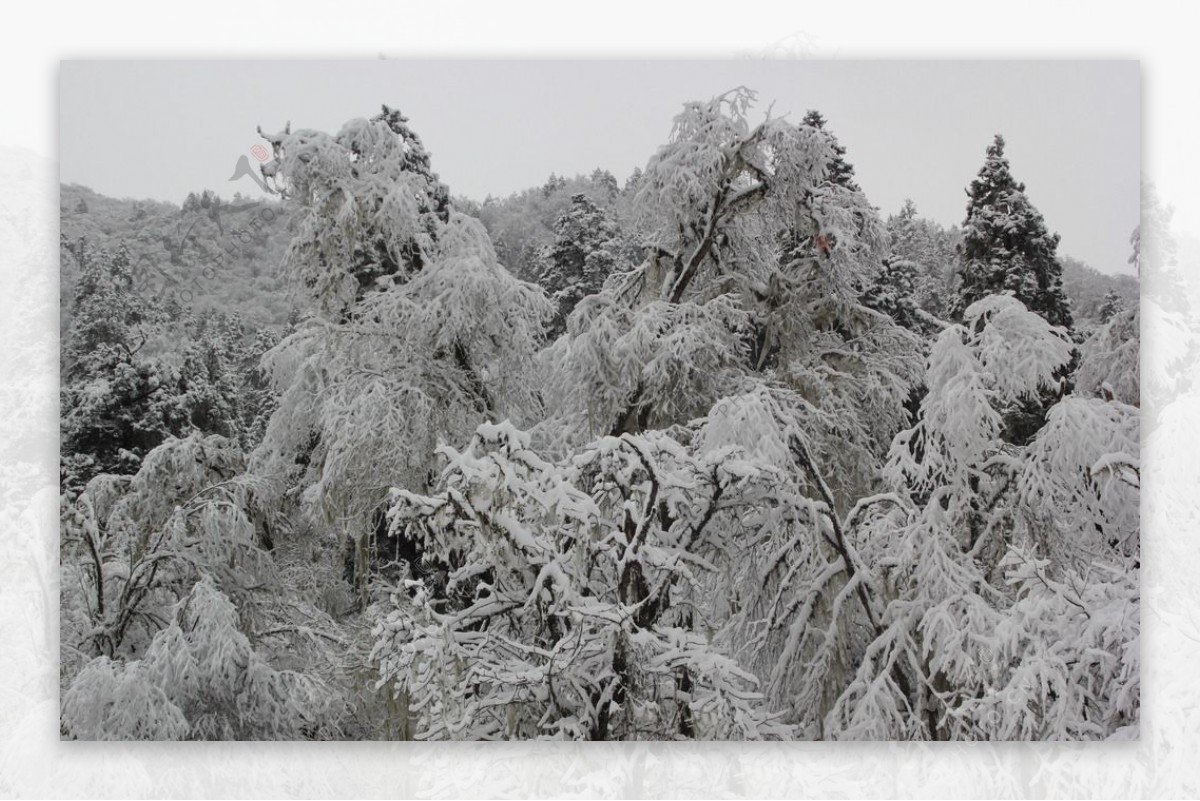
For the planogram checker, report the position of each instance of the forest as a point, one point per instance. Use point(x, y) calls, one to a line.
point(719, 452)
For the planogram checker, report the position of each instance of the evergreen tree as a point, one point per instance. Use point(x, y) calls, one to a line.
point(893, 292)
point(605, 181)
point(1111, 305)
point(931, 249)
point(553, 184)
point(1006, 246)
point(633, 181)
point(582, 256)
point(839, 171)
point(116, 405)
point(106, 311)
point(741, 497)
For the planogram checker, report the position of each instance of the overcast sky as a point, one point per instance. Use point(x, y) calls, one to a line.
point(911, 129)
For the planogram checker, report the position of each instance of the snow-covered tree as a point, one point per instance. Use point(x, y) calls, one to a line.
point(761, 485)
point(1006, 245)
point(524, 225)
point(1013, 620)
point(1094, 294)
point(107, 311)
point(931, 249)
point(893, 292)
point(756, 262)
point(839, 171)
point(735, 370)
point(1110, 306)
point(567, 600)
point(1109, 365)
point(145, 538)
point(370, 207)
point(174, 617)
point(416, 332)
point(200, 679)
point(116, 403)
point(584, 253)
point(606, 181)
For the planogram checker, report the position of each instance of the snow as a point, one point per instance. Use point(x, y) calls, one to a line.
point(760, 485)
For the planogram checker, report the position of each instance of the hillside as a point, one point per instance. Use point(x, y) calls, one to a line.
point(222, 255)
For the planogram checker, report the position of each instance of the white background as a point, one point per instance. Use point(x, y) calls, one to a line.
point(34, 37)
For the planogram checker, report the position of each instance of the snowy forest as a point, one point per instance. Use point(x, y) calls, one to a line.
point(719, 452)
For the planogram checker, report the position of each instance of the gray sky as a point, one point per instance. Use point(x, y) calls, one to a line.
point(153, 129)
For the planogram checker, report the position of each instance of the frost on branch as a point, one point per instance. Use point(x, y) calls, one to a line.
point(199, 679)
point(143, 540)
point(433, 349)
point(1017, 622)
point(623, 369)
point(1000, 355)
point(369, 207)
point(723, 475)
point(1109, 366)
point(565, 600)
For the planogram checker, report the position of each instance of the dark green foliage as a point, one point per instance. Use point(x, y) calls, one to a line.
point(118, 403)
point(931, 248)
point(225, 389)
point(1006, 247)
point(522, 225)
point(582, 256)
point(893, 292)
point(106, 312)
point(839, 170)
point(1111, 306)
point(112, 417)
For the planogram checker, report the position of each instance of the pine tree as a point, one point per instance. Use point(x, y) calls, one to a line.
point(839, 171)
point(117, 402)
point(1007, 247)
point(1111, 305)
point(605, 181)
point(893, 292)
point(583, 254)
point(116, 405)
point(931, 249)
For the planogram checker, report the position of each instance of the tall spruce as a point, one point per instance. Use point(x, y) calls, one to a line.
point(1006, 246)
point(838, 171)
point(582, 255)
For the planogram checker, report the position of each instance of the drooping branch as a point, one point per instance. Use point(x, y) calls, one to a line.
point(839, 539)
point(724, 204)
point(805, 459)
